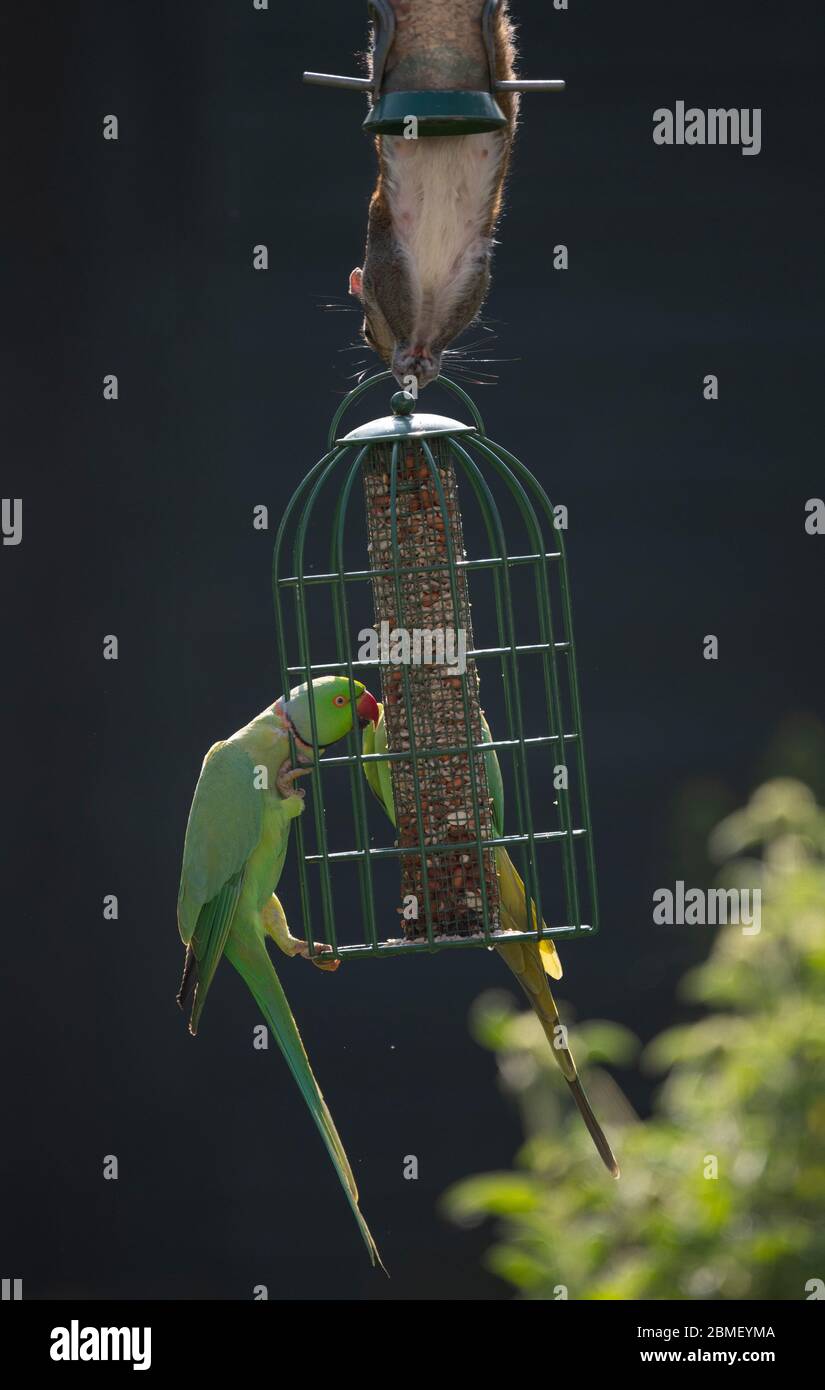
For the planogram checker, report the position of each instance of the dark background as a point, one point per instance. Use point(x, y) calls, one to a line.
point(686, 518)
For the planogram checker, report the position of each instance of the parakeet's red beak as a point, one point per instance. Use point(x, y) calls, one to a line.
point(368, 711)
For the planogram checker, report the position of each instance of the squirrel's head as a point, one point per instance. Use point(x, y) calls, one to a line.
point(411, 331)
point(389, 327)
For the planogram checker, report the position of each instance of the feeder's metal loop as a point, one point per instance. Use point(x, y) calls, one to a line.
point(383, 39)
point(350, 398)
point(465, 400)
point(303, 486)
point(488, 30)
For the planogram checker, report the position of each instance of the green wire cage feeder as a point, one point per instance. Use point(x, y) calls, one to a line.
point(512, 657)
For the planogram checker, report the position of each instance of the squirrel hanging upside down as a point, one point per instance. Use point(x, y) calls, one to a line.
point(433, 213)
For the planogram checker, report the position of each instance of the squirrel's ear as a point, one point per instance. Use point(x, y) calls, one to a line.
point(356, 282)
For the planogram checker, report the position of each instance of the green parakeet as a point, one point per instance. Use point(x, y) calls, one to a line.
point(234, 851)
point(530, 961)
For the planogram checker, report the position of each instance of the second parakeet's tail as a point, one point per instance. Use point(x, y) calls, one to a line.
point(251, 959)
point(525, 961)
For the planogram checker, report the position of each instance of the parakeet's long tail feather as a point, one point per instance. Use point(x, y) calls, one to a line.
point(524, 960)
point(595, 1130)
point(514, 910)
point(251, 959)
point(189, 979)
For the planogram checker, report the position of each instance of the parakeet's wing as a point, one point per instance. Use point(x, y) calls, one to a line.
point(225, 822)
point(378, 775)
point(210, 938)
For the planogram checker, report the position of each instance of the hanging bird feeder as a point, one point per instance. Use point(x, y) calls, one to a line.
point(447, 112)
point(514, 649)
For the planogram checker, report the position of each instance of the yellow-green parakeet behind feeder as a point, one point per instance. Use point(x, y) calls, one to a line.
point(530, 961)
point(236, 842)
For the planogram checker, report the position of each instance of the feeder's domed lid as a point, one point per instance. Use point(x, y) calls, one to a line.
point(404, 424)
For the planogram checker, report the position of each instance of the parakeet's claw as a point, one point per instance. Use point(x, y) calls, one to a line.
point(322, 949)
point(330, 965)
point(286, 778)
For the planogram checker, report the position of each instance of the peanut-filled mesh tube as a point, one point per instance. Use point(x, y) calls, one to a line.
point(418, 622)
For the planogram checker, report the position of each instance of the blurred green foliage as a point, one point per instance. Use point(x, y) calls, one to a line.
point(744, 1085)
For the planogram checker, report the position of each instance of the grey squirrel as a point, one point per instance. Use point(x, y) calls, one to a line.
point(432, 216)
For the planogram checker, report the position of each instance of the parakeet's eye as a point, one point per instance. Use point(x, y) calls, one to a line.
point(340, 700)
